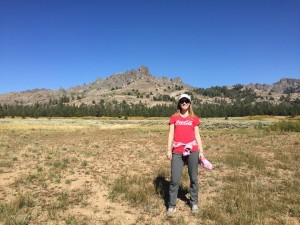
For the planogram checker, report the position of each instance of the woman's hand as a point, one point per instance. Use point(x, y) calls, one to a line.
point(169, 154)
point(201, 155)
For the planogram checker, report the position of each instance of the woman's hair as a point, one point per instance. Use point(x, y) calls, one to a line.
point(190, 109)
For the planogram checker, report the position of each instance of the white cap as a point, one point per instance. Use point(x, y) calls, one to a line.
point(184, 96)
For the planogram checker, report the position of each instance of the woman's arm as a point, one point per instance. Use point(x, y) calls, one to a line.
point(198, 139)
point(170, 141)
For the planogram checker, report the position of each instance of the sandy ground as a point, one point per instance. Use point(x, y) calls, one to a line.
point(67, 169)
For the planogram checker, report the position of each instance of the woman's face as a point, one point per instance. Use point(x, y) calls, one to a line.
point(184, 103)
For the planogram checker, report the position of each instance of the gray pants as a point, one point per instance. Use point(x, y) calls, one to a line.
point(177, 164)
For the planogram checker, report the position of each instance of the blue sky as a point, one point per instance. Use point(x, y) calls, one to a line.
point(63, 43)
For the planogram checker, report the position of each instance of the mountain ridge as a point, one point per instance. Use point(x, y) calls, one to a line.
point(280, 86)
point(134, 86)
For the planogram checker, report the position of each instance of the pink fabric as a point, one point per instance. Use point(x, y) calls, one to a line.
point(187, 147)
point(206, 164)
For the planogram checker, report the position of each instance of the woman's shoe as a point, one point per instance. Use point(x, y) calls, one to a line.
point(171, 212)
point(195, 209)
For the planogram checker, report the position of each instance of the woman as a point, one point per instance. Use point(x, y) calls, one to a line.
point(184, 146)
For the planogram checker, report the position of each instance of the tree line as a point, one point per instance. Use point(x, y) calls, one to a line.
point(238, 108)
point(236, 92)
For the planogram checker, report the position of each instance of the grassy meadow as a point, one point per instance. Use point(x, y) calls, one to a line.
point(105, 171)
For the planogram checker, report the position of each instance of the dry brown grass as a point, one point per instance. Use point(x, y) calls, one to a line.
point(88, 171)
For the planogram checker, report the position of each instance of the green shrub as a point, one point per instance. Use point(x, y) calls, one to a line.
point(291, 126)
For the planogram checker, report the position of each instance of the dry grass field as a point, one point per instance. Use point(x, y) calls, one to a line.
point(91, 171)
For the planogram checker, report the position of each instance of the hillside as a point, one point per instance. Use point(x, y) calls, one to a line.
point(139, 86)
point(285, 85)
point(132, 86)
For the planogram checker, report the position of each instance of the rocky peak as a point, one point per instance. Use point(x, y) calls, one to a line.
point(284, 85)
point(143, 70)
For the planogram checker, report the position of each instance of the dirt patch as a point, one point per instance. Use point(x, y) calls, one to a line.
point(65, 173)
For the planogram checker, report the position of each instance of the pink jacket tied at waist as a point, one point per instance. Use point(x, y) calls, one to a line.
point(186, 145)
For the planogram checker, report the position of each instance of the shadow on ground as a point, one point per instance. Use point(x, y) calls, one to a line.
point(162, 189)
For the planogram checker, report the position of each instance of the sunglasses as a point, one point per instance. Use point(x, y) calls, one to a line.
point(184, 101)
